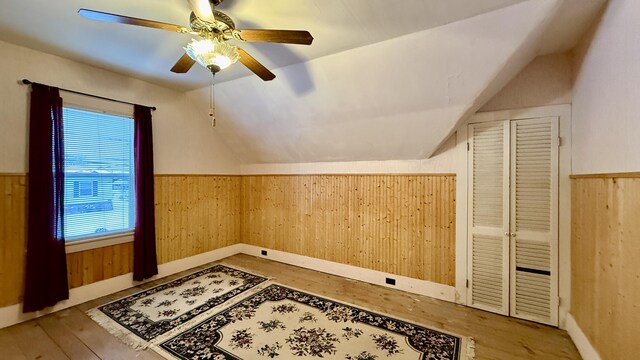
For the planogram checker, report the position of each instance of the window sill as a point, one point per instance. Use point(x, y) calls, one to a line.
point(98, 242)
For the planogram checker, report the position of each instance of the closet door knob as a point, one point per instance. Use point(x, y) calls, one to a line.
point(513, 234)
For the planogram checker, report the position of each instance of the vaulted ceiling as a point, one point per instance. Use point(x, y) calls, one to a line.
point(396, 99)
point(383, 80)
point(337, 25)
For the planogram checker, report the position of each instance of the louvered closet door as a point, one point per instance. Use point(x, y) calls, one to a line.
point(534, 219)
point(488, 222)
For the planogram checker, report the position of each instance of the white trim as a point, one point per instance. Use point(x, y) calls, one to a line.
point(586, 350)
point(421, 287)
point(461, 208)
point(197, 260)
point(564, 216)
point(10, 315)
point(74, 246)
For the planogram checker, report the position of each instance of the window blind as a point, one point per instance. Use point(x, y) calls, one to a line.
point(99, 176)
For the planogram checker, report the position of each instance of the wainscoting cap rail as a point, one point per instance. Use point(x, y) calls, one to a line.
point(606, 175)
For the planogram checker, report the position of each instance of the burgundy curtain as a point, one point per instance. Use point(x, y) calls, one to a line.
point(46, 264)
point(144, 241)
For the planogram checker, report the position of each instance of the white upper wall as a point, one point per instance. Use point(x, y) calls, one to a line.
point(445, 160)
point(606, 101)
point(394, 100)
point(547, 80)
point(184, 142)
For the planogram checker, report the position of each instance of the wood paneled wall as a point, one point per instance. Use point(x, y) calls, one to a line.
point(194, 214)
point(12, 237)
point(86, 267)
point(605, 255)
point(401, 224)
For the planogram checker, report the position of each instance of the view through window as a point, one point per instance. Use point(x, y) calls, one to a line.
point(98, 189)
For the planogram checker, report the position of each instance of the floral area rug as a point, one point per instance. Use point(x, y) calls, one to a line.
point(141, 318)
point(283, 323)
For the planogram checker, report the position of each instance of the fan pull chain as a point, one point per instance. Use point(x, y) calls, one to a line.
point(212, 104)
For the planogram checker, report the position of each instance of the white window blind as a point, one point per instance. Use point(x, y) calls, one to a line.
point(99, 178)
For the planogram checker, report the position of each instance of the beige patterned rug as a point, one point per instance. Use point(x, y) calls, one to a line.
point(284, 323)
point(147, 316)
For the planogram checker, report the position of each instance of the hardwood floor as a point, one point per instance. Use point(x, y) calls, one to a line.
point(70, 334)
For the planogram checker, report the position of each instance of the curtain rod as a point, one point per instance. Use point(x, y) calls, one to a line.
point(29, 82)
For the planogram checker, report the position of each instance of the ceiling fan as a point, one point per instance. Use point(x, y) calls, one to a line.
point(215, 28)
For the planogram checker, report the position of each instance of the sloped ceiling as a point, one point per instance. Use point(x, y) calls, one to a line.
point(396, 99)
point(382, 81)
point(337, 25)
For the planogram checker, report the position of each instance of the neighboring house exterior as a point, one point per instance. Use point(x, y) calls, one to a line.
point(87, 193)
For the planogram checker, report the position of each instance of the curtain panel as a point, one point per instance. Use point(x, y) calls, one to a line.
point(144, 244)
point(46, 265)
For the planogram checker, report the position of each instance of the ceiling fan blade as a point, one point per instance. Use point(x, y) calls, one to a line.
point(202, 9)
point(253, 65)
point(183, 65)
point(121, 19)
point(300, 37)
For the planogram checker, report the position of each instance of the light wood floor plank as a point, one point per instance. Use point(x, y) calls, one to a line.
point(497, 337)
point(35, 343)
point(64, 337)
point(8, 346)
point(103, 344)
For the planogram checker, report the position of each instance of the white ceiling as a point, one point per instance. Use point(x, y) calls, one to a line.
point(383, 80)
point(337, 25)
point(395, 99)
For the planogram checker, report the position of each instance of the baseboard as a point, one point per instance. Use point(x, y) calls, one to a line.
point(197, 260)
point(587, 351)
point(416, 286)
point(12, 314)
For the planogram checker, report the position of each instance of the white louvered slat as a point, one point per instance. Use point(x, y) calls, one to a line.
point(487, 167)
point(489, 216)
point(533, 255)
point(532, 298)
point(533, 224)
point(488, 273)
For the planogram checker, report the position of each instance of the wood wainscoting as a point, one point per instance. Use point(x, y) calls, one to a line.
point(400, 224)
point(194, 214)
point(13, 188)
point(89, 266)
point(605, 255)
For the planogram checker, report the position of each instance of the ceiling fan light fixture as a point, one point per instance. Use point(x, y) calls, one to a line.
point(212, 53)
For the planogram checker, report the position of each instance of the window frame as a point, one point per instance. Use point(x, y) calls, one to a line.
point(86, 103)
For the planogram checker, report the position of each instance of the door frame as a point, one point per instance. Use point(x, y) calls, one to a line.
point(563, 112)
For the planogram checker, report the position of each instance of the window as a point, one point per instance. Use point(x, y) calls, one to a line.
point(98, 190)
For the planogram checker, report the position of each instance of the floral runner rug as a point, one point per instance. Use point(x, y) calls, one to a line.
point(144, 317)
point(283, 323)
